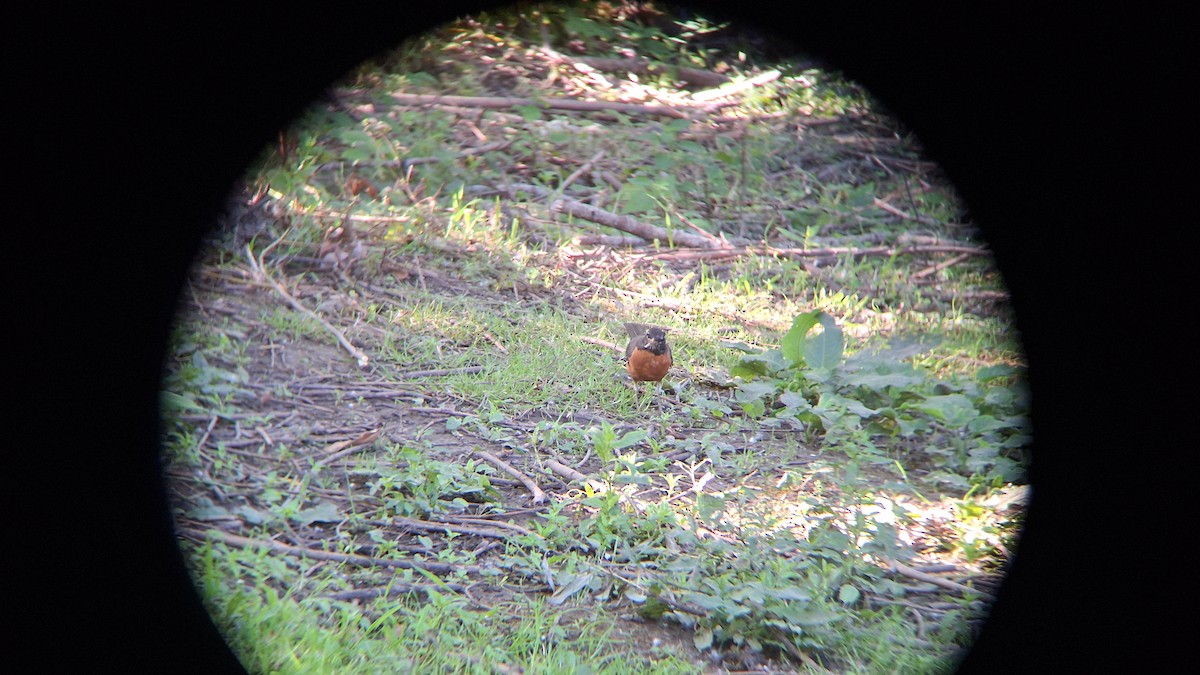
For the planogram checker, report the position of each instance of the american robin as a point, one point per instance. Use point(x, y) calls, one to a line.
point(648, 356)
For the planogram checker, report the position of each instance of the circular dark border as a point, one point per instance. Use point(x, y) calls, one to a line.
point(1060, 127)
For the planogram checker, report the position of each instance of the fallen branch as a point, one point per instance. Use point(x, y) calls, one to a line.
point(920, 218)
point(443, 411)
point(610, 240)
point(702, 78)
point(574, 476)
point(260, 271)
point(538, 497)
point(498, 524)
point(430, 526)
point(414, 374)
point(708, 253)
point(934, 269)
point(713, 239)
point(785, 639)
point(939, 582)
point(565, 471)
point(342, 448)
point(736, 87)
point(238, 541)
point(600, 343)
point(580, 171)
point(368, 390)
point(358, 218)
point(546, 103)
point(610, 219)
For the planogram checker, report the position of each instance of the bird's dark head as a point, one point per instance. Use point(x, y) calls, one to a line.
point(654, 340)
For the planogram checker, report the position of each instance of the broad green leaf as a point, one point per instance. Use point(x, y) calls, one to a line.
point(169, 401)
point(704, 600)
point(709, 507)
point(1001, 397)
point(632, 438)
point(585, 27)
point(848, 594)
point(324, 512)
point(755, 390)
point(982, 424)
point(206, 510)
point(750, 366)
point(832, 407)
point(702, 639)
point(896, 350)
point(862, 195)
point(254, 516)
point(805, 615)
point(824, 350)
point(794, 399)
point(995, 372)
point(792, 345)
point(792, 593)
point(639, 202)
point(750, 592)
point(676, 125)
point(531, 113)
point(883, 377)
point(754, 408)
point(748, 370)
point(954, 410)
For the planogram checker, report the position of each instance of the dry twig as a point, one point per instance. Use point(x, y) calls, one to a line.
point(538, 496)
point(736, 87)
point(238, 541)
point(934, 269)
point(616, 221)
point(708, 253)
point(430, 526)
point(440, 372)
point(703, 78)
point(550, 103)
point(342, 448)
point(939, 582)
point(567, 472)
point(260, 271)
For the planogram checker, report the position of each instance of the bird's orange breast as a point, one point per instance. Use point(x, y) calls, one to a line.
point(646, 366)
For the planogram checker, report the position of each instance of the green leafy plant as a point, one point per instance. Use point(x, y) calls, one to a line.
point(606, 442)
point(965, 429)
point(425, 486)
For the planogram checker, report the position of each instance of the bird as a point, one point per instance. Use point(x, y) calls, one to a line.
point(648, 356)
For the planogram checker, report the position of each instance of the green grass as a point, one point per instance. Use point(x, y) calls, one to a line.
point(275, 625)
